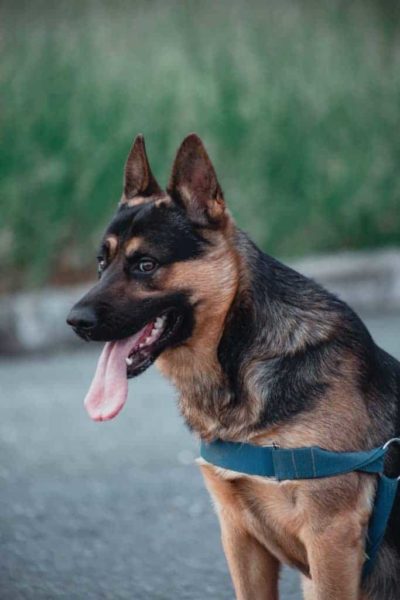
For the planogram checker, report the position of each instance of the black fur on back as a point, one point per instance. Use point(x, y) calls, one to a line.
point(300, 330)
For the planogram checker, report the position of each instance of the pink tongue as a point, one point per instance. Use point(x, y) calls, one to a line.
point(109, 389)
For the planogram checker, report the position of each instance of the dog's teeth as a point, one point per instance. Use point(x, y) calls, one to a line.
point(129, 361)
point(159, 323)
point(147, 340)
point(141, 345)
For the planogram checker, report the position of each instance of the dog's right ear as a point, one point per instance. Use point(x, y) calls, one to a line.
point(138, 178)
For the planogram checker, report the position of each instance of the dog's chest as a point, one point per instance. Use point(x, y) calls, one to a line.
point(273, 512)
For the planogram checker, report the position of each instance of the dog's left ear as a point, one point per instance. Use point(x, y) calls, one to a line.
point(138, 178)
point(194, 184)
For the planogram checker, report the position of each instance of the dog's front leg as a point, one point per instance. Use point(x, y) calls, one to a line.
point(253, 569)
point(336, 556)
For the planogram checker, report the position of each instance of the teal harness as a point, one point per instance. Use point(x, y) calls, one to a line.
point(312, 463)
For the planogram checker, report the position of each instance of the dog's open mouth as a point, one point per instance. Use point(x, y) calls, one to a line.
point(126, 358)
point(153, 338)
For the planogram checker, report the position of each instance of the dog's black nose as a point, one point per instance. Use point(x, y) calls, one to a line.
point(82, 318)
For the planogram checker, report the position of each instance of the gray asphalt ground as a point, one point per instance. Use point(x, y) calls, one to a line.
point(111, 510)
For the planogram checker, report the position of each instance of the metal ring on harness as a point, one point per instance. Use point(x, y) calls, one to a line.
point(395, 440)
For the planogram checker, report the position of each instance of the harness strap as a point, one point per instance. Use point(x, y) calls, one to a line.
point(312, 463)
point(384, 499)
point(290, 463)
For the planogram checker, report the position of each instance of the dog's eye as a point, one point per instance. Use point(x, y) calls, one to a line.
point(146, 265)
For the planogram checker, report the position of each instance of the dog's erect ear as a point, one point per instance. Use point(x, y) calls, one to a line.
point(138, 178)
point(194, 184)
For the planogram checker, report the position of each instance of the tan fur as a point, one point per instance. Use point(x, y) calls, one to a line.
point(253, 568)
point(302, 524)
point(215, 207)
point(145, 200)
point(112, 245)
point(133, 245)
point(137, 200)
point(212, 282)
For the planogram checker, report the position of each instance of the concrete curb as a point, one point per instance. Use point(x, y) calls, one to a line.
point(368, 281)
point(35, 321)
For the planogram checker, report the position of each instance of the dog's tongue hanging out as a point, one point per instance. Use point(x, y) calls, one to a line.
point(109, 388)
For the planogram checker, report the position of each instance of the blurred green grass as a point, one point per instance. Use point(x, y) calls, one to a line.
point(298, 103)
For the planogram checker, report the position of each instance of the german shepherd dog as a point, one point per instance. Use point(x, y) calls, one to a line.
point(259, 354)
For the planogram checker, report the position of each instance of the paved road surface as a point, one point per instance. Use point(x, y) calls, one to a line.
point(107, 511)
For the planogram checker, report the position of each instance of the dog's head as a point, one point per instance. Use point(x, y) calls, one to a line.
point(167, 272)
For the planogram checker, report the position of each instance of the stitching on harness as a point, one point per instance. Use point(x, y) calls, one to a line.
point(294, 463)
point(313, 462)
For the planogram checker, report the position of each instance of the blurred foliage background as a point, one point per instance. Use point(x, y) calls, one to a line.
point(298, 103)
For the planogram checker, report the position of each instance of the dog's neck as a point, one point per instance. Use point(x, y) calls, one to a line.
point(250, 372)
